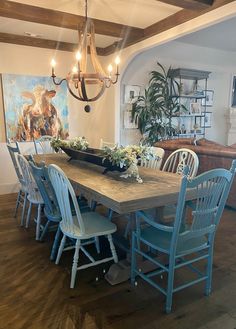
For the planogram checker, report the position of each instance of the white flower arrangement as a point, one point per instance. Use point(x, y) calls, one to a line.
point(128, 157)
point(78, 143)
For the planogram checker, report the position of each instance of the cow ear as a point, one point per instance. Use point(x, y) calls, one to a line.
point(28, 94)
point(51, 93)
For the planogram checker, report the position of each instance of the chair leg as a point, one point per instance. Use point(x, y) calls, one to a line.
point(45, 229)
point(62, 244)
point(113, 250)
point(28, 215)
point(93, 205)
point(23, 210)
point(38, 222)
point(75, 263)
point(97, 244)
point(133, 260)
point(17, 202)
point(55, 244)
point(110, 214)
point(127, 228)
point(170, 285)
point(209, 272)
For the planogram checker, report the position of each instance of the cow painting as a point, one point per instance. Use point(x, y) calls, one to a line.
point(35, 111)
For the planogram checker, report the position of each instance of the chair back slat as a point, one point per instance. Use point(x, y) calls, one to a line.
point(106, 144)
point(45, 187)
point(31, 185)
point(179, 159)
point(156, 162)
point(211, 191)
point(13, 151)
point(43, 145)
point(65, 196)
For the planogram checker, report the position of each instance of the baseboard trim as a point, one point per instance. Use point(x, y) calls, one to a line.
point(9, 188)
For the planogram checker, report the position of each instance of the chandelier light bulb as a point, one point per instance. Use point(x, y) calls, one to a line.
point(110, 68)
point(53, 64)
point(78, 56)
point(117, 60)
point(75, 69)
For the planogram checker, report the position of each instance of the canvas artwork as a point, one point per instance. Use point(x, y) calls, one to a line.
point(34, 107)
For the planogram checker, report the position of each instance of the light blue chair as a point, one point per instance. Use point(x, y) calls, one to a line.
point(193, 237)
point(51, 208)
point(78, 226)
point(22, 194)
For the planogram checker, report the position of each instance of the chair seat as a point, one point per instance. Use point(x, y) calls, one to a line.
point(162, 240)
point(36, 199)
point(94, 224)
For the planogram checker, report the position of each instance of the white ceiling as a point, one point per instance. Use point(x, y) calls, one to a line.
point(139, 13)
point(219, 36)
point(15, 26)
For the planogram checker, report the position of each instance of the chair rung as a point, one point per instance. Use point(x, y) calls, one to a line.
point(151, 259)
point(105, 260)
point(191, 261)
point(69, 248)
point(191, 283)
point(155, 285)
point(154, 273)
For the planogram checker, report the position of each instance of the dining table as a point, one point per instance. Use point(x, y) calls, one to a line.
point(122, 195)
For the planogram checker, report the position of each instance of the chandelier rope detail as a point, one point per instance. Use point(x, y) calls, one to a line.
point(78, 79)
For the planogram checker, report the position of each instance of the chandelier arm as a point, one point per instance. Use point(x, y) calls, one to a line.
point(57, 83)
point(116, 79)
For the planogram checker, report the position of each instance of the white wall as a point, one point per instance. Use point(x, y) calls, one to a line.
point(176, 54)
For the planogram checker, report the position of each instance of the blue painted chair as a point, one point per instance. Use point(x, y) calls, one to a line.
point(192, 237)
point(22, 194)
point(81, 226)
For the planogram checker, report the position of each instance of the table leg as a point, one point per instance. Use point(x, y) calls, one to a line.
point(121, 271)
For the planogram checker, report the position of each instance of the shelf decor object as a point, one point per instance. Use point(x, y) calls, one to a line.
point(208, 100)
point(79, 80)
point(206, 120)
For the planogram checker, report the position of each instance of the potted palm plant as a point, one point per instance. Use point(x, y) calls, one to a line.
point(155, 110)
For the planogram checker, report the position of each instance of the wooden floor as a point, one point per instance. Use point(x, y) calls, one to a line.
point(35, 294)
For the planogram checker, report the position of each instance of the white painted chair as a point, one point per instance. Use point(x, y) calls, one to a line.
point(81, 226)
point(156, 162)
point(22, 194)
point(104, 143)
point(43, 145)
point(179, 159)
point(175, 163)
point(34, 197)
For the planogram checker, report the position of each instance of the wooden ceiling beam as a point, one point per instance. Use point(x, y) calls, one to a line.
point(41, 43)
point(171, 21)
point(46, 16)
point(190, 4)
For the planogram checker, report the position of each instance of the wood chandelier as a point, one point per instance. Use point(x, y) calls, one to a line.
point(79, 81)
